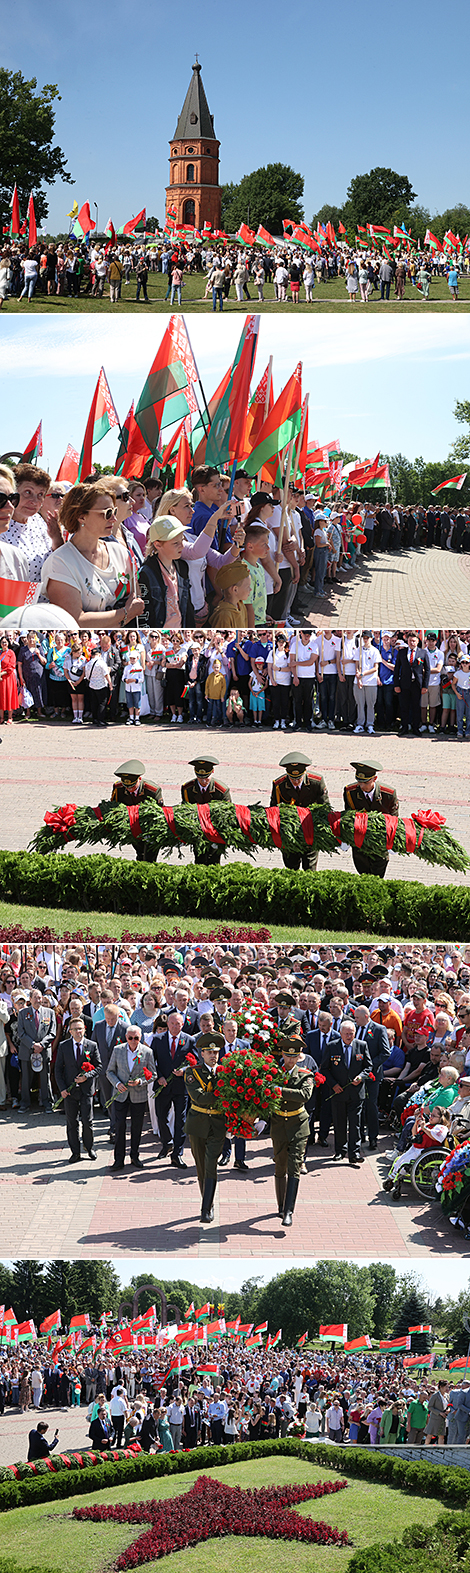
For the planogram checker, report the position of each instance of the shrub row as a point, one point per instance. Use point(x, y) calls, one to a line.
point(449, 1485)
point(62, 1461)
point(439, 1548)
point(330, 900)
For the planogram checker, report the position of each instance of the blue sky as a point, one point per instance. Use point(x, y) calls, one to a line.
point(231, 1274)
point(332, 92)
point(372, 383)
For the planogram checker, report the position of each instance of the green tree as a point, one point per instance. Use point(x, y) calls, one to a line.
point(328, 1292)
point(96, 1288)
point(265, 197)
point(28, 1280)
point(454, 1314)
point(460, 450)
point(6, 1286)
point(152, 224)
point(457, 219)
point(384, 1280)
point(27, 153)
point(328, 212)
point(411, 1307)
point(58, 1291)
point(381, 197)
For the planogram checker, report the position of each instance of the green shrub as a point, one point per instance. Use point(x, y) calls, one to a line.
point(330, 899)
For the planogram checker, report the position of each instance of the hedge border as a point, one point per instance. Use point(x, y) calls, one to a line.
point(330, 900)
point(451, 1486)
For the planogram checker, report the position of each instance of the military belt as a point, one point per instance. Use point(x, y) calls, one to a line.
point(286, 1114)
point(200, 1110)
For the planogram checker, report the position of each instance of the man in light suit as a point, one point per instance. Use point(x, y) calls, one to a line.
point(36, 1029)
point(78, 1101)
point(106, 1034)
point(346, 1066)
point(169, 1051)
point(317, 1044)
point(378, 1043)
point(126, 1069)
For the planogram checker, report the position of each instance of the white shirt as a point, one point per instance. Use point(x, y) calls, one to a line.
point(97, 586)
point(13, 563)
point(34, 541)
point(368, 662)
point(97, 672)
point(326, 651)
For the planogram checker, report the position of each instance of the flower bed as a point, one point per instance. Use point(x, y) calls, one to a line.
point(60, 1461)
point(211, 1509)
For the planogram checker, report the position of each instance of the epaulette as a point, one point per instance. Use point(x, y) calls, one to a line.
point(312, 777)
point(150, 785)
point(221, 785)
point(277, 779)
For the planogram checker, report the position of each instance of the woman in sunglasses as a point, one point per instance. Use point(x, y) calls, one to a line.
point(92, 577)
point(13, 562)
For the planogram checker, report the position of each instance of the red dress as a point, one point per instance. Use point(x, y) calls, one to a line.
point(9, 699)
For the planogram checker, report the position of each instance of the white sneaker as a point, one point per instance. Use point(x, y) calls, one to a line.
point(331, 726)
point(283, 726)
point(431, 729)
point(423, 728)
point(321, 726)
point(370, 730)
point(173, 720)
point(275, 726)
point(357, 730)
point(180, 720)
point(392, 1153)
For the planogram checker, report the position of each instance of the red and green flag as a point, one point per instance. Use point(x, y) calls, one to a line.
point(263, 236)
point(246, 235)
point(123, 1339)
point(83, 222)
point(134, 225)
point(68, 468)
point(203, 1313)
point(281, 425)
point(200, 432)
point(275, 1339)
point(216, 1329)
point(34, 447)
point(261, 1328)
point(424, 1327)
point(50, 1322)
point(337, 1331)
point(168, 393)
point(103, 415)
point(233, 1327)
point(454, 485)
point(395, 1344)
point(25, 1331)
point(15, 593)
point(80, 1320)
point(88, 1343)
point(253, 1341)
point(226, 436)
point(301, 1341)
point(359, 1343)
point(183, 461)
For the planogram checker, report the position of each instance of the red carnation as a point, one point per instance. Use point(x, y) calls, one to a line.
point(148, 1074)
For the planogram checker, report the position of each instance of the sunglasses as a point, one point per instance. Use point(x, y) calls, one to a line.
point(106, 513)
point(123, 497)
point(9, 497)
point(55, 496)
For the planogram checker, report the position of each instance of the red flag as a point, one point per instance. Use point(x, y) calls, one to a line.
point(456, 484)
point(34, 448)
point(15, 226)
point(170, 447)
point(341, 229)
point(110, 230)
point(128, 229)
point(68, 469)
point(32, 232)
point(264, 235)
point(282, 424)
point(225, 440)
point(102, 417)
point(84, 219)
point(135, 458)
point(200, 434)
point(245, 234)
point(183, 462)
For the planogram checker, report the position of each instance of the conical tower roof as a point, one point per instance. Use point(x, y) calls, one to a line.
point(195, 119)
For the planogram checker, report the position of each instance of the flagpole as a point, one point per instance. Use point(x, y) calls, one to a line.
point(266, 411)
point(300, 436)
point(284, 496)
point(199, 380)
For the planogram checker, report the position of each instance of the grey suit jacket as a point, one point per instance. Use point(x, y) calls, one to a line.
point(118, 1070)
point(28, 1033)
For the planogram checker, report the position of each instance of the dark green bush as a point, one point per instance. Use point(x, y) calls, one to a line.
point(330, 900)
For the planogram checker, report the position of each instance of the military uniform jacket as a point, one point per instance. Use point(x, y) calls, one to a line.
point(191, 792)
point(297, 1094)
point(384, 800)
point(289, 1024)
point(199, 1082)
point(148, 792)
point(310, 791)
point(337, 1070)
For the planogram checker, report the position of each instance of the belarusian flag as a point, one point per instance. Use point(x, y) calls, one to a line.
point(81, 1320)
point(32, 228)
point(261, 1328)
point(136, 453)
point(334, 1330)
point(49, 1322)
point(68, 468)
point(191, 1307)
point(88, 1343)
point(359, 1343)
point(25, 1330)
point(9, 1318)
point(233, 1327)
point(15, 593)
point(282, 424)
point(455, 1365)
point(183, 461)
point(209, 1368)
point(246, 235)
point(275, 1339)
point(110, 230)
point(263, 236)
point(83, 223)
point(225, 440)
point(259, 408)
point(455, 484)
point(15, 223)
point(245, 1329)
point(123, 1339)
point(103, 415)
point(34, 448)
point(164, 458)
point(418, 1360)
point(255, 1339)
point(187, 1335)
point(167, 376)
point(200, 432)
point(134, 224)
point(204, 1311)
point(144, 1322)
point(423, 1328)
point(341, 229)
point(216, 1329)
point(301, 1341)
point(432, 241)
point(395, 1343)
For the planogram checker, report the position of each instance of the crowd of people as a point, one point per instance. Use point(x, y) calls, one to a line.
point(364, 682)
point(110, 552)
point(372, 1043)
point(321, 1394)
point(69, 270)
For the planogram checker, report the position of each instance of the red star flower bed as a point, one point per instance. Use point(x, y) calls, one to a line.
point(211, 1509)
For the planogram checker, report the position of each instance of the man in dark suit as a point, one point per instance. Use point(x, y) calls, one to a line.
point(169, 1050)
point(378, 1043)
point(106, 1034)
point(346, 1067)
point(79, 1099)
point(191, 1424)
point(318, 1045)
point(411, 682)
point(36, 1029)
point(187, 1011)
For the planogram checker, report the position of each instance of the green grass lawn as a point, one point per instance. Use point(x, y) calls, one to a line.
point(47, 1535)
point(64, 920)
point(327, 297)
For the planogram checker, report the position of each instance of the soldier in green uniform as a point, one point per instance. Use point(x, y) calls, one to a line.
point(290, 1128)
point(298, 788)
point(132, 788)
point(288, 1024)
point(205, 1123)
point(220, 996)
point(364, 796)
point(205, 789)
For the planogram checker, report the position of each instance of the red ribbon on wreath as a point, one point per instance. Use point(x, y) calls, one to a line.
point(412, 839)
point(170, 819)
point(429, 819)
point(98, 814)
point(134, 821)
point(360, 829)
point(307, 825)
point(334, 821)
point(244, 821)
point(391, 827)
point(204, 816)
point(274, 821)
point(62, 819)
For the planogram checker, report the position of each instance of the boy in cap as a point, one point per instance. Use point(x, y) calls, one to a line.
point(205, 1123)
point(205, 789)
point(299, 788)
point(233, 580)
point(364, 796)
point(132, 788)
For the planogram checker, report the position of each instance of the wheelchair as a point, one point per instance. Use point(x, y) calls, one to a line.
point(422, 1171)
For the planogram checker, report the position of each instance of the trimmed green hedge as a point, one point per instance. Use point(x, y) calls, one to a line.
point(449, 1485)
point(440, 1548)
point(330, 900)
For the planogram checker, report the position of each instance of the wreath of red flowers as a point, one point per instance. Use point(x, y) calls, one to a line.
point(248, 1087)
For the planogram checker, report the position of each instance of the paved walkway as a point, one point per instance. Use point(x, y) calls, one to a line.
point(45, 765)
point(50, 1209)
point(399, 591)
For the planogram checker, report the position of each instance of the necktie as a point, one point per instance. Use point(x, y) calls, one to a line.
point(322, 1044)
point(76, 1051)
point(173, 1048)
point(36, 1019)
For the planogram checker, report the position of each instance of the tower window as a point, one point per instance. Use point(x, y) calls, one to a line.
point(190, 172)
point(189, 212)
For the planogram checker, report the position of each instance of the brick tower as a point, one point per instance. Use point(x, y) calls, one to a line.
point(194, 191)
